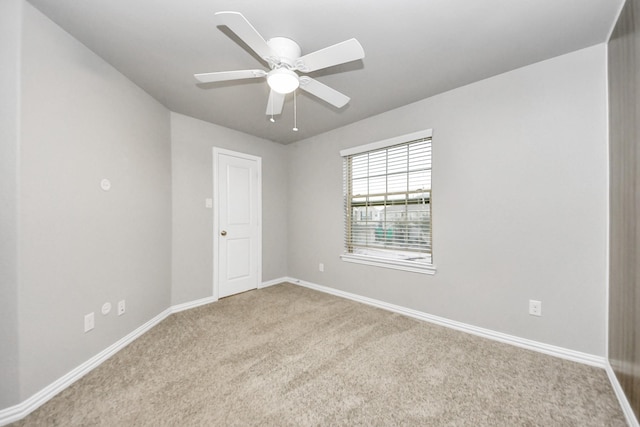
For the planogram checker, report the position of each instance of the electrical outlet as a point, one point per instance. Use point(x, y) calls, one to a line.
point(89, 322)
point(321, 267)
point(535, 308)
point(121, 307)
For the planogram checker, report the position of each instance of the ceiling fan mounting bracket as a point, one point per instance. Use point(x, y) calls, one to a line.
point(287, 52)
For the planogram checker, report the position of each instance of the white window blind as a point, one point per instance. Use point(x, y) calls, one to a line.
point(387, 193)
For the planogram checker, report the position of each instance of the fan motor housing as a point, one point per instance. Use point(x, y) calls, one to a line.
point(288, 50)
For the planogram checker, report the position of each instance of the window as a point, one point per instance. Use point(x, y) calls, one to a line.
point(387, 196)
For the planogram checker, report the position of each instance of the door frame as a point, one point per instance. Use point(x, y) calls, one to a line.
point(216, 226)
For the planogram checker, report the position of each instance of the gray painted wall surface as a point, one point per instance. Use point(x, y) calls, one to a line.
point(519, 204)
point(192, 141)
point(80, 247)
point(10, 25)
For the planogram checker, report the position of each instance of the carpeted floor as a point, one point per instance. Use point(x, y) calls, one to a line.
point(290, 356)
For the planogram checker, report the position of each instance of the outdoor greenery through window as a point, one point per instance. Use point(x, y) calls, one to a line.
point(387, 189)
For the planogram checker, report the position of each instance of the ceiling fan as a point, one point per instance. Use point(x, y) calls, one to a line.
point(284, 58)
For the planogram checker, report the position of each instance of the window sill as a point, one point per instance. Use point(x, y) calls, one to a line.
point(389, 263)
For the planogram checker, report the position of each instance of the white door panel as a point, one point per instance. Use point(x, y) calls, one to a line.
point(237, 217)
point(238, 263)
point(238, 201)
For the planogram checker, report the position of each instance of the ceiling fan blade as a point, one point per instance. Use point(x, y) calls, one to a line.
point(275, 103)
point(237, 23)
point(229, 75)
point(323, 92)
point(347, 51)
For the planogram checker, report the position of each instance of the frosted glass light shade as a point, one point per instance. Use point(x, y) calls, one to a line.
point(283, 81)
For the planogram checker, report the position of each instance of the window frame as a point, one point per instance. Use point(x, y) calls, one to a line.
point(398, 264)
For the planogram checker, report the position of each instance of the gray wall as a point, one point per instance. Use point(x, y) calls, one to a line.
point(192, 141)
point(519, 204)
point(10, 24)
point(82, 121)
point(624, 158)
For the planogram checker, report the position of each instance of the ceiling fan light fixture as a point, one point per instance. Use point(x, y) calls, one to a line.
point(283, 80)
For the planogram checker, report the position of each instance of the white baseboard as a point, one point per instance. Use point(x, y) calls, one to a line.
point(273, 282)
point(208, 300)
point(622, 398)
point(21, 410)
point(564, 353)
point(192, 304)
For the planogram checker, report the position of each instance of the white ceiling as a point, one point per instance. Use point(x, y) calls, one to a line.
point(414, 49)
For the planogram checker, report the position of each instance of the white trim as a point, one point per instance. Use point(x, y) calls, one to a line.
point(622, 397)
point(273, 282)
point(367, 257)
point(386, 143)
point(192, 304)
point(24, 408)
point(395, 264)
point(561, 352)
point(607, 242)
point(216, 151)
point(214, 219)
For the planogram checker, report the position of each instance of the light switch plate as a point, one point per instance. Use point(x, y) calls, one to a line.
point(89, 322)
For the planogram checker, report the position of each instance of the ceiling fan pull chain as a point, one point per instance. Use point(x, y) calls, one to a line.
point(272, 120)
point(295, 113)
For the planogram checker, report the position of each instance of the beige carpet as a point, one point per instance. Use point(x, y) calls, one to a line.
point(290, 356)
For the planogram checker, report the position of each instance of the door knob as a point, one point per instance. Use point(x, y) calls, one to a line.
point(223, 233)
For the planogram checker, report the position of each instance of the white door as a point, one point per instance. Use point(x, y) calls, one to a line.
point(237, 194)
